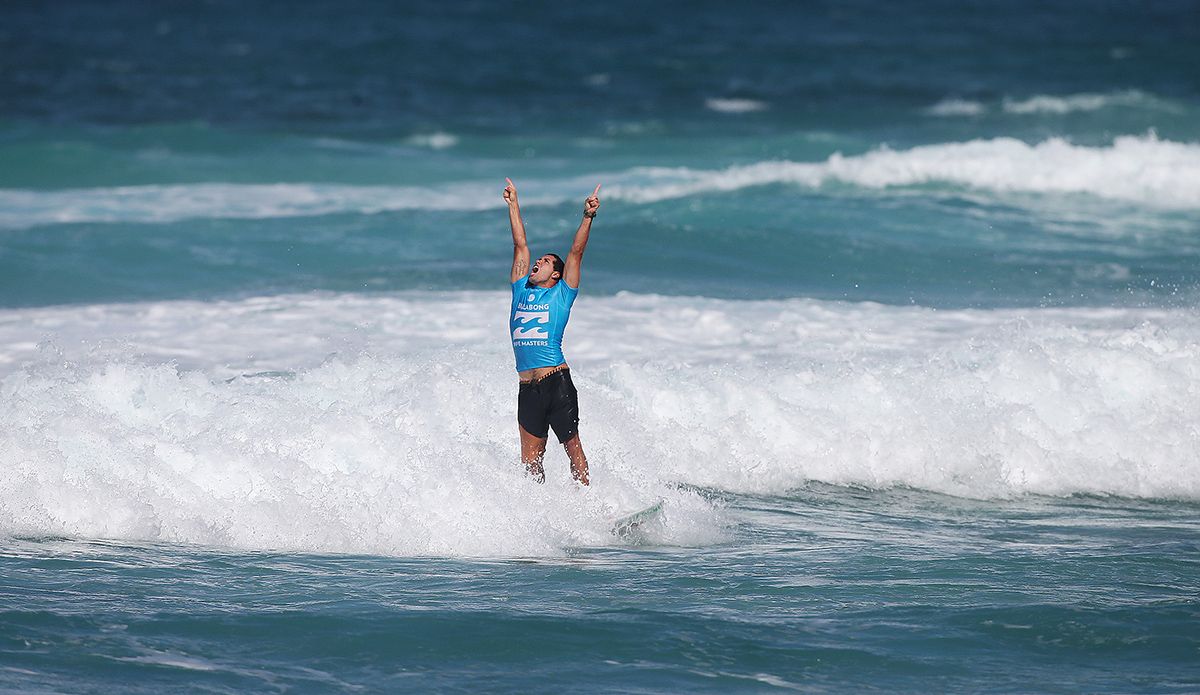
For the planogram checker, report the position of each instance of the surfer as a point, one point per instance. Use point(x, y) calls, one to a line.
point(541, 304)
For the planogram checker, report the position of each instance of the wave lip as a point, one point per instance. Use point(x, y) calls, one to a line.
point(1136, 169)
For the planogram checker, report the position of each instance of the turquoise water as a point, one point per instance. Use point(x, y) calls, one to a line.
point(893, 306)
point(823, 590)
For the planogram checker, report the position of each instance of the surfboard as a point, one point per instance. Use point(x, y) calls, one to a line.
point(624, 524)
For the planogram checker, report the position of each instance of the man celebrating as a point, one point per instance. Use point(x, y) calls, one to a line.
point(541, 304)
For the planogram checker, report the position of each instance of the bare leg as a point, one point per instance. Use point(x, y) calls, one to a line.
point(533, 450)
point(579, 467)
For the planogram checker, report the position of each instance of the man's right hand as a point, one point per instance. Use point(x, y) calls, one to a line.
point(520, 267)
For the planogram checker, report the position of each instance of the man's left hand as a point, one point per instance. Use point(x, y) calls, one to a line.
point(592, 204)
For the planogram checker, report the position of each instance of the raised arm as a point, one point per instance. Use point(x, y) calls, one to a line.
point(574, 259)
point(520, 266)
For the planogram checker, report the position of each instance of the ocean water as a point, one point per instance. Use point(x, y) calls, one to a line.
point(894, 305)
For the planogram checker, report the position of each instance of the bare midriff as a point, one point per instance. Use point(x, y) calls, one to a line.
point(539, 372)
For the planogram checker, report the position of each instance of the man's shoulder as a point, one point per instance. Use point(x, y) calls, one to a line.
point(561, 288)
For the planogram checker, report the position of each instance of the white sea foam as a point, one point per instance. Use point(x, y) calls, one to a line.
point(735, 105)
point(232, 423)
point(435, 141)
point(1141, 170)
point(1056, 105)
point(956, 107)
point(1082, 102)
point(168, 203)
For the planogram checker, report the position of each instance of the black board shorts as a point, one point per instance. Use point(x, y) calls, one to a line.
point(549, 402)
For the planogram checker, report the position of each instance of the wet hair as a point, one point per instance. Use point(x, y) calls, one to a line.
point(558, 264)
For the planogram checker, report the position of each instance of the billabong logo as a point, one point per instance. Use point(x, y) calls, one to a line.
point(527, 332)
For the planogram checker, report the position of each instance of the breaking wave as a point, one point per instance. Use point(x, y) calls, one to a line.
point(1136, 169)
point(360, 434)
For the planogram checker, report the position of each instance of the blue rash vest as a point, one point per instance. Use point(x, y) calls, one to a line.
point(539, 317)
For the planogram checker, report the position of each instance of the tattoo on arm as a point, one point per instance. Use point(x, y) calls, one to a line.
point(520, 267)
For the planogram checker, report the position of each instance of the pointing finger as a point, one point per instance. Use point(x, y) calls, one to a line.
point(597, 191)
point(509, 181)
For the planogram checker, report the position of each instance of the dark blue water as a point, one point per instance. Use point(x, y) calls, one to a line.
point(530, 67)
point(422, 96)
point(894, 305)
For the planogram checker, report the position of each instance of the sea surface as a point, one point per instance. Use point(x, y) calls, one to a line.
point(895, 305)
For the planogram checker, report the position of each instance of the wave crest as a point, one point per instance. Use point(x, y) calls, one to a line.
point(1141, 170)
